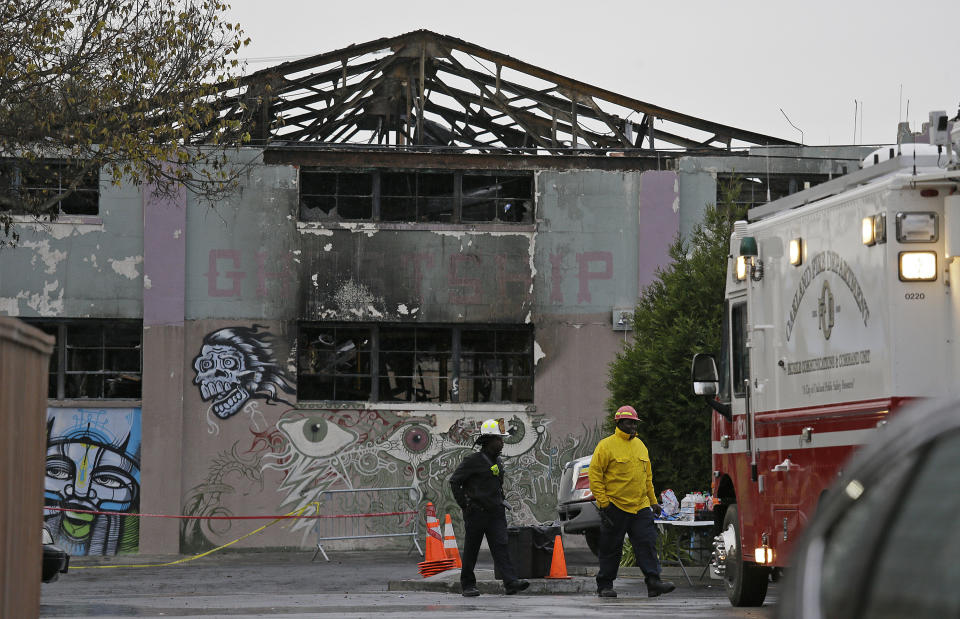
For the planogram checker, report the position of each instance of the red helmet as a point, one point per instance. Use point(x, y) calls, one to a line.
point(626, 412)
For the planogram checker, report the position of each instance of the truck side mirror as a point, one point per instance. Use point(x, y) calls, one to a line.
point(704, 375)
point(705, 379)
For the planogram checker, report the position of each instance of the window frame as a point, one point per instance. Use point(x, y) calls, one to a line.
point(739, 352)
point(13, 170)
point(452, 393)
point(59, 358)
point(725, 355)
point(420, 214)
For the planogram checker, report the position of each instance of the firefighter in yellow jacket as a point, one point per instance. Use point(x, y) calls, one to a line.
point(621, 480)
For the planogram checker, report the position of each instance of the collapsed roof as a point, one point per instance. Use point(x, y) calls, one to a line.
point(423, 89)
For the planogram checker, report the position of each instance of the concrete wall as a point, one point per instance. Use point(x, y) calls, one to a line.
point(79, 266)
point(248, 270)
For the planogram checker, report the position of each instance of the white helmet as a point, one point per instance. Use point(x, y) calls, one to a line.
point(493, 427)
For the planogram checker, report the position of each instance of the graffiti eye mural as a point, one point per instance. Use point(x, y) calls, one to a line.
point(315, 436)
point(315, 429)
point(108, 480)
point(58, 468)
point(517, 431)
point(416, 439)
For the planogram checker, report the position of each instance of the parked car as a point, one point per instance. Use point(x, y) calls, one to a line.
point(884, 541)
point(576, 509)
point(56, 561)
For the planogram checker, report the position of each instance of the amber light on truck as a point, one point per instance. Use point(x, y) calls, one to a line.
point(873, 229)
point(741, 272)
point(763, 555)
point(796, 252)
point(918, 266)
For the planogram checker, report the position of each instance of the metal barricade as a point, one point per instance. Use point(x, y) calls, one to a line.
point(363, 514)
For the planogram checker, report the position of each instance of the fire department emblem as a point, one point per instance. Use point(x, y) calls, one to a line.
point(826, 310)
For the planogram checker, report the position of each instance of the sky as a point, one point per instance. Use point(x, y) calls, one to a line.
point(842, 72)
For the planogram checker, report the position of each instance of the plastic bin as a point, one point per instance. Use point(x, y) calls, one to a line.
point(531, 550)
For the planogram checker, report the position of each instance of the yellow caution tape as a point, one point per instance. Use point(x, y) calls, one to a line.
point(296, 512)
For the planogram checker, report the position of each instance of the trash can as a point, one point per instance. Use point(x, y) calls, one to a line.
point(531, 550)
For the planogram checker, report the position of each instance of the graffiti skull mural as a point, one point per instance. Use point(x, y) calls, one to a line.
point(236, 364)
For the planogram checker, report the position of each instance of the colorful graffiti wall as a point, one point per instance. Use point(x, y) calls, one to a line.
point(93, 465)
point(286, 458)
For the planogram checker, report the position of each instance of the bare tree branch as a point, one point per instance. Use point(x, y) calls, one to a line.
point(117, 86)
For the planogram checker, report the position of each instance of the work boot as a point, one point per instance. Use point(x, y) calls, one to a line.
point(656, 587)
point(470, 592)
point(606, 593)
point(516, 586)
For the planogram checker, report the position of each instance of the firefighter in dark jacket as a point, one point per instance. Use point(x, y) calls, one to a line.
point(478, 489)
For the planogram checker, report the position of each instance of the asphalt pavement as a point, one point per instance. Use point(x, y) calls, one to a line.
point(355, 584)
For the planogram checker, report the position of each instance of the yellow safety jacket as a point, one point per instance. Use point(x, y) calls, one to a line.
point(620, 473)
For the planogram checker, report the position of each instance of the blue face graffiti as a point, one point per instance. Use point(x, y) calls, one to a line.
point(236, 364)
point(93, 465)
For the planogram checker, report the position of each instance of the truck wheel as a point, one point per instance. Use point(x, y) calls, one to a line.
point(746, 582)
point(593, 540)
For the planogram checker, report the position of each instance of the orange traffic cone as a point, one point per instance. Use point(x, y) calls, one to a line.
point(434, 539)
point(450, 542)
point(436, 559)
point(558, 567)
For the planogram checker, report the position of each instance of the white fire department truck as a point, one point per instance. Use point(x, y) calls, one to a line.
point(842, 304)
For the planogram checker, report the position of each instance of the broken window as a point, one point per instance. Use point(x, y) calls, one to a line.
point(415, 363)
point(407, 196)
point(334, 363)
point(501, 196)
point(496, 365)
point(329, 196)
point(34, 182)
point(94, 359)
point(417, 196)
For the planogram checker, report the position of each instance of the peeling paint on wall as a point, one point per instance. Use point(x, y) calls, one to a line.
point(307, 229)
point(50, 258)
point(9, 306)
point(538, 353)
point(43, 303)
point(353, 299)
point(61, 230)
point(127, 267)
point(368, 229)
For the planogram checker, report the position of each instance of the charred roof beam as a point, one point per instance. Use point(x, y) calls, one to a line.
point(352, 95)
point(480, 117)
